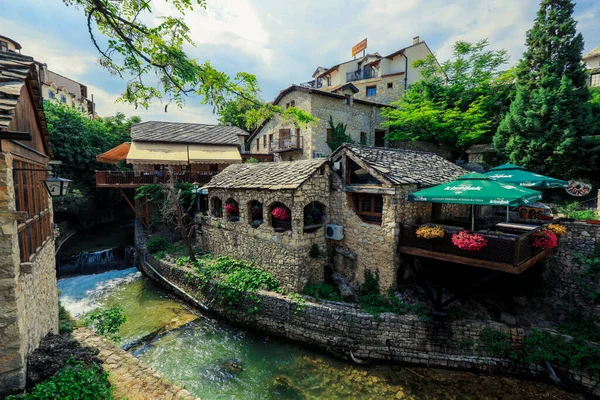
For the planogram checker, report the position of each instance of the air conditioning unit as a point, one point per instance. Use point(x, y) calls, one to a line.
point(335, 232)
point(337, 166)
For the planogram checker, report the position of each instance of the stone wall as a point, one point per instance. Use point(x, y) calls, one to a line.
point(28, 294)
point(345, 331)
point(385, 93)
point(283, 254)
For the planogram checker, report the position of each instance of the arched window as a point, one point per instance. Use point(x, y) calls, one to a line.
point(281, 217)
point(232, 210)
point(217, 207)
point(314, 216)
point(255, 213)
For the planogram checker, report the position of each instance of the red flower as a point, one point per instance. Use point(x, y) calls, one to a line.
point(469, 241)
point(281, 213)
point(232, 210)
point(546, 239)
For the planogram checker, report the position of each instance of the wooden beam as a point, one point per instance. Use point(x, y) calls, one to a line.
point(533, 260)
point(14, 135)
point(13, 215)
point(474, 262)
point(137, 214)
point(369, 189)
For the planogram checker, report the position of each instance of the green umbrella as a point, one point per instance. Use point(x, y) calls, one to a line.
point(510, 173)
point(476, 189)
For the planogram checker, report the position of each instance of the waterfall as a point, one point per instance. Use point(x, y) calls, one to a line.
point(85, 263)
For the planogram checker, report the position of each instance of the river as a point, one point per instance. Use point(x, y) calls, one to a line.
point(214, 360)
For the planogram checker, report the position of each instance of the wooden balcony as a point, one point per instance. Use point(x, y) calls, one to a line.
point(289, 143)
point(131, 179)
point(505, 252)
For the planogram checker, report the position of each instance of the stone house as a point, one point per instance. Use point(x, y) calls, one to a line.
point(28, 294)
point(241, 222)
point(290, 143)
point(360, 188)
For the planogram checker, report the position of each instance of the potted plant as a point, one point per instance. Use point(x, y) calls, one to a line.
point(465, 240)
point(558, 230)
point(282, 218)
point(545, 239)
point(430, 232)
point(233, 211)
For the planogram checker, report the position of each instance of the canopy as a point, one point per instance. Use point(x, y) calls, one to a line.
point(510, 173)
point(476, 189)
point(115, 154)
point(214, 154)
point(158, 153)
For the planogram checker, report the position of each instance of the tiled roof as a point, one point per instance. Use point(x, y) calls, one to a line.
point(269, 176)
point(406, 166)
point(595, 52)
point(178, 132)
point(17, 70)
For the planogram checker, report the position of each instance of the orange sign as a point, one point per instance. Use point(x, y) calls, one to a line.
point(362, 45)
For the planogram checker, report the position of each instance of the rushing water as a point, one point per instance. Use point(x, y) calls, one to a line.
point(217, 361)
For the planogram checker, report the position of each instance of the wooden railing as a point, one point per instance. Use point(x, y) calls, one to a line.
point(135, 179)
point(501, 248)
point(287, 143)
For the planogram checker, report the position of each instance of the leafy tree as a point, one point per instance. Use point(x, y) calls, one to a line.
point(338, 136)
point(550, 115)
point(234, 112)
point(457, 103)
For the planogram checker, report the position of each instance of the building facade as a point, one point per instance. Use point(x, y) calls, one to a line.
point(378, 78)
point(592, 63)
point(28, 294)
point(288, 142)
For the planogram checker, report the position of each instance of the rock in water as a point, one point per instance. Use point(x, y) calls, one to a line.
point(346, 291)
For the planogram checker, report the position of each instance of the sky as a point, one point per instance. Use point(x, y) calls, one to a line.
point(281, 42)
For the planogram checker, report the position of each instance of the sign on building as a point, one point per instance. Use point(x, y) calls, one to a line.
point(362, 45)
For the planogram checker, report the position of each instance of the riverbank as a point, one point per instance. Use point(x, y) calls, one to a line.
point(345, 331)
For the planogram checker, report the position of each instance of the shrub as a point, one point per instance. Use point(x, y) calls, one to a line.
point(469, 241)
point(314, 251)
point(430, 232)
point(158, 243)
point(75, 380)
point(322, 291)
point(252, 160)
point(558, 230)
point(106, 322)
point(495, 343)
point(545, 239)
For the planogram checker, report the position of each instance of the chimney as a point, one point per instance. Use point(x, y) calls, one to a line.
point(416, 40)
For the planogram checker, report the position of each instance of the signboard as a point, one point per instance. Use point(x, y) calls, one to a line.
point(578, 188)
point(362, 45)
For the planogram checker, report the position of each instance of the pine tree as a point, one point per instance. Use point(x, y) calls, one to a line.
point(550, 115)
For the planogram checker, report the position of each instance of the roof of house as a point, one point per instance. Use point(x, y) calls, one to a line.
point(402, 167)
point(17, 45)
point(179, 132)
point(594, 53)
point(17, 70)
point(268, 176)
point(480, 148)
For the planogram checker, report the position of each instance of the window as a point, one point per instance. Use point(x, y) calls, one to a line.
point(314, 216)
point(63, 98)
point(293, 103)
point(217, 207)
point(51, 95)
point(347, 99)
point(257, 144)
point(371, 91)
point(595, 80)
point(390, 85)
point(32, 197)
point(379, 138)
point(265, 141)
point(255, 213)
point(329, 134)
point(271, 141)
point(287, 105)
point(232, 210)
point(358, 175)
point(281, 217)
point(3, 46)
point(369, 207)
point(363, 138)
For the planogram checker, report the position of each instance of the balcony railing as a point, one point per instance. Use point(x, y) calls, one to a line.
point(136, 179)
point(507, 252)
point(288, 143)
point(360, 75)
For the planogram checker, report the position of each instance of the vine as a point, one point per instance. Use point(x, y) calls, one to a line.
point(299, 302)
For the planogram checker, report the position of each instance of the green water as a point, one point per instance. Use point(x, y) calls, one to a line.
point(217, 361)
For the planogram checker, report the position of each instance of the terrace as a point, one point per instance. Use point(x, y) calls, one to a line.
point(131, 179)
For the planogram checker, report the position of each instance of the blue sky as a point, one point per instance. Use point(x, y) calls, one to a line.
point(281, 42)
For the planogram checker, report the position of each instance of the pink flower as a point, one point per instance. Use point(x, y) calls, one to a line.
point(281, 213)
point(469, 241)
point(545, 239)
point(232, 210)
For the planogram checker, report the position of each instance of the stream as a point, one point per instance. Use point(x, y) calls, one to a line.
point(215, 360)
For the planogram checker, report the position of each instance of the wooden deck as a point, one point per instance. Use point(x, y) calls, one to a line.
point(507, 253)
point(130, 179)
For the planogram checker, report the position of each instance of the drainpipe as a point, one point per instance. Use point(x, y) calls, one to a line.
point(405, 71)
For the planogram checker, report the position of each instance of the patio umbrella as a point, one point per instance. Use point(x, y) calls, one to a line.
point(476, 189)
point(510, 173)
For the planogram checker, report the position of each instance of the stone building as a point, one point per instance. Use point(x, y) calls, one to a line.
point(378, 78)
point(592, 63)
point(243, 220)
point(28, 295)
point(361, 189)
point(287, 142)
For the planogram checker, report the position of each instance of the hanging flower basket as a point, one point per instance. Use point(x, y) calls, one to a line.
point(430, 232)
point(281, 214)
point(469, 241)
point(558, 230)
point(233, 210)
point(545, 239)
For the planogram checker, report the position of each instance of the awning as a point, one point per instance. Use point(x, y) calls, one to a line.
point(115, 154)
point(158, 153)
point(213, 154)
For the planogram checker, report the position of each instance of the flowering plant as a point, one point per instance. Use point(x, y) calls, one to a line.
point(430, 232)
point(546, 239)
point(281, 214)
point(559, 230)
point(232, 209)
point(469, 241)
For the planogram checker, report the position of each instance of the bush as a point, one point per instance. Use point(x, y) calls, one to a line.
point(322, 291)
point(571, 210)
point(75, 380)
point(158, 243)
point(106, 322)
point(314, 251)
point(66, 324)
